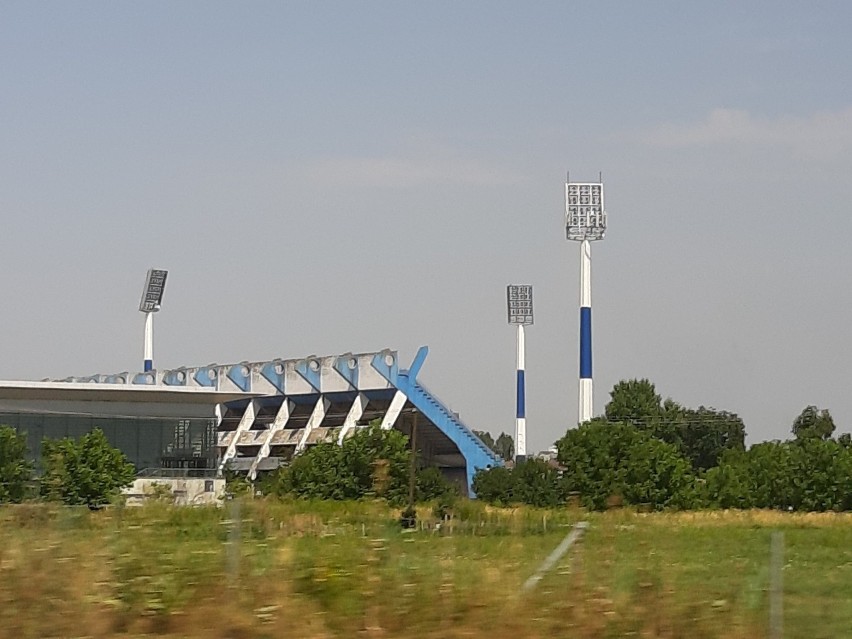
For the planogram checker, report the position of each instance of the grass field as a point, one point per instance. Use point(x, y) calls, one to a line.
point(310, 570)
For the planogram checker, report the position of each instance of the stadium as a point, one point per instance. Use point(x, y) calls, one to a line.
point(249, 417)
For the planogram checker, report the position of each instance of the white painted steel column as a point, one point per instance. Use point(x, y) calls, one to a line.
point(280, 421)
point(586, 394)
point(395, 408)
point(148, 348)
point(521, 410)
point(245, 423)
point(314, 421)
point(352, 417)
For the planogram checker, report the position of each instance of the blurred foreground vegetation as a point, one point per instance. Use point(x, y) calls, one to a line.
point(280, 568)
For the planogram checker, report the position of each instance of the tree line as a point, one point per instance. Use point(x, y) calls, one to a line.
point(644, 451)
point(88, 471)
point(658, 454)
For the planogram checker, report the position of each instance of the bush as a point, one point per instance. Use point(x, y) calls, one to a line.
point(537, 483)
point(533, 482)
point(15, 469)
point(86, 471)
point(810, 474)
point(370, 462)
point(605, 461)
point(431, 484)
point(657, 475)
point(494, 485)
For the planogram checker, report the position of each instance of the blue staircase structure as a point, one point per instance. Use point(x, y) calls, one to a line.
point(477, 455)
point(293, 404)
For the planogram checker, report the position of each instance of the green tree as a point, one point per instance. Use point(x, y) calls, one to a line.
point(701, 435)
point(85, 471)
point(505, 447)
point(812, 475)
point(15, 469)
point(728, 485)
point(634, 401)
point(704, 435)
point(768, 468)
point(657, 475)
point(820, 476)
point(605, 461)
point(537, 483)
point(592, 455)
point(813, 423)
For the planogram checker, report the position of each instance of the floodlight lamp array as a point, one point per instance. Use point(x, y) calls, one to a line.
point(152, 294)
point(519, 299)
point(585, 217)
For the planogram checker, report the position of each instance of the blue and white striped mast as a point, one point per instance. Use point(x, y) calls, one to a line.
point(520, 306)
point(148, 346)
point(152, 298)
point(585, 222)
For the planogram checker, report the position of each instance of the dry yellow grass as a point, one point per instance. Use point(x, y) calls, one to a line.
point(762, 518)
point(326, 570)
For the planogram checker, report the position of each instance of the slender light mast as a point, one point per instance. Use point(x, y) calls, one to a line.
point(152, 298)
point(520, 307)
point(585, 222)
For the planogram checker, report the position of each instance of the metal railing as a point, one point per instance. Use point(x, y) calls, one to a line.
point(198, 473)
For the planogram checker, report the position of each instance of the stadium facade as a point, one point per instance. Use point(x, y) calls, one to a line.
point(251, 416)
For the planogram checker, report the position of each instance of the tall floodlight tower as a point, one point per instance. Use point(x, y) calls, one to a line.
point(152, 298)
point(585, 222)
point(520, 305)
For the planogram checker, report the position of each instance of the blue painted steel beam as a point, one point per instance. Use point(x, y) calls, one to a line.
point(585, 342)
point(521, 411)
point(309, 374)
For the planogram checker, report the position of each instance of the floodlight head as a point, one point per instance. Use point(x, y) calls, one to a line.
point(585, 216)
point(519, 299)
point(152, 294)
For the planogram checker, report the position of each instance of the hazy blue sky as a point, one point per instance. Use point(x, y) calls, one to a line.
point(323, 177)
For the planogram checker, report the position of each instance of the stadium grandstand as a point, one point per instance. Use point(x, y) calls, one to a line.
point(250, 417)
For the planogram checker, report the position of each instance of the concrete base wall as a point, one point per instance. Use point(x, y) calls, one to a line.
point(182, 491)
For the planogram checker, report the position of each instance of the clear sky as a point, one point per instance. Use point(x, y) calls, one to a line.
point(323, 177)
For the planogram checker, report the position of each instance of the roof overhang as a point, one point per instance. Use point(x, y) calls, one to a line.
point(102, 392)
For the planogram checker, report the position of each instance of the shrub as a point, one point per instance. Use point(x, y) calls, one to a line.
point(615, 461)
point(86, 471)
point(15, 469)
point(370, 462)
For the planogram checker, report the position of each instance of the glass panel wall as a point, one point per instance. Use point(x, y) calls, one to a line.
point(148, 443)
